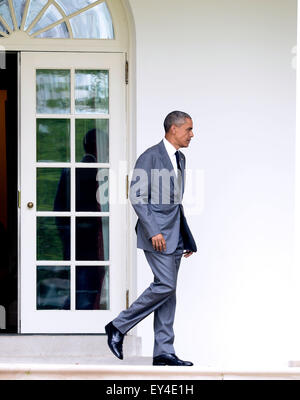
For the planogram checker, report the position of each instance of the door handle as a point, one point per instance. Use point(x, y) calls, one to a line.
point(30, 205)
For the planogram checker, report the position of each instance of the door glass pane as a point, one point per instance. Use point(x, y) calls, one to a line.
point(53, 189)
point(53, 288)
point(91, 92)
point(53, 238)
point(92, 287)
point(95, 23)
point(19, 6)
point(50, 15)
point(92, 140)
point(92, 238)
point(5, 13)
point(92, 189)
point(70, 6)
point(53, 91)
point(58, 31)
point(53, 140)
point(34, 8)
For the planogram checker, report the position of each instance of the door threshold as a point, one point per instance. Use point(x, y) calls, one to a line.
point(64, 346)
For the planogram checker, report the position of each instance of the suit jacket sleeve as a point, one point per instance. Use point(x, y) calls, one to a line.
point(140, 194)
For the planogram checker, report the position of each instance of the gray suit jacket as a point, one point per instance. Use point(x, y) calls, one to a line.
point(156, 196)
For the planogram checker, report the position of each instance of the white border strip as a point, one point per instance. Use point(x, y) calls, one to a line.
point(71, 371)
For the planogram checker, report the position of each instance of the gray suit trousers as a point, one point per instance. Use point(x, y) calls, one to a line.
point(159, 297)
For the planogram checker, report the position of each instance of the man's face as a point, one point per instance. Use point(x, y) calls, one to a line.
point(183, 134)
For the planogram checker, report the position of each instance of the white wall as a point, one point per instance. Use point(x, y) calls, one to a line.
point(229, 64)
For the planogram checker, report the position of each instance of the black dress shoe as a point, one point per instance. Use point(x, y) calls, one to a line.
point(115, 340)
point(170, 359)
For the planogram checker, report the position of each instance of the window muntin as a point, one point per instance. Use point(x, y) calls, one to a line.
point(74, 19)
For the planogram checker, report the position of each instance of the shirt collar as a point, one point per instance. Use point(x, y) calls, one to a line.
point(169, 147)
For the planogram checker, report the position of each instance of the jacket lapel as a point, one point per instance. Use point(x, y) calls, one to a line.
point(168, 164)
point(165, 157)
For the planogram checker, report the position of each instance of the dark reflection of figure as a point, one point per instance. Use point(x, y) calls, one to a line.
point(89, 237)
point(8, 284)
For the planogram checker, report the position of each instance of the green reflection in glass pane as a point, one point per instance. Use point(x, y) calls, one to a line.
point(92, 238)
point(53, 140)
point(53, 189)
point(92, 140)
point(53, 238)
point(91, 91)
point(53, 91)
point(92, 287)
point(53, 288)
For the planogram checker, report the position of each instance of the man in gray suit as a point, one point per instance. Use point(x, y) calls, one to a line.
point(156, 192)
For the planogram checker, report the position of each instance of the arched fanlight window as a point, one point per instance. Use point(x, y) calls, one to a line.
point(74, 19)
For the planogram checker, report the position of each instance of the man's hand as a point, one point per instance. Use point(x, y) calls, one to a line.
point(187, 253)
point(158, 242)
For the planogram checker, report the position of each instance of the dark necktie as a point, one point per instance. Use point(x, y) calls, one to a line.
point(179, 172)
point(177, 159)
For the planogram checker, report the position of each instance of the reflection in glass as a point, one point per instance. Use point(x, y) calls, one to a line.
point(34, 8)
point(53, 288)
point(92, 140)
point(92, 287)
point(53, 238)
point(5, 13)
point(50, 15)
point(92, 189)
point(70, 6)
point(92, 238)
point(95, 23)
point(53, 91)
point(91, 91)
point(2, 28)
point(53, 140)
point(19, 6)
point(53, 189)
point(58, 31)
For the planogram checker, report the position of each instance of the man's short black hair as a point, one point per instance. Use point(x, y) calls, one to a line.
point(175, 118)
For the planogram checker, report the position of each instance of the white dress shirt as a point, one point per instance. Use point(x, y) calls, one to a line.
point(171, 151)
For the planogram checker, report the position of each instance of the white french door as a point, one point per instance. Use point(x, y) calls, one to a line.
point(73, 213)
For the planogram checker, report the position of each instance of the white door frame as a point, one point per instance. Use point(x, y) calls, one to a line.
point(79, 321)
